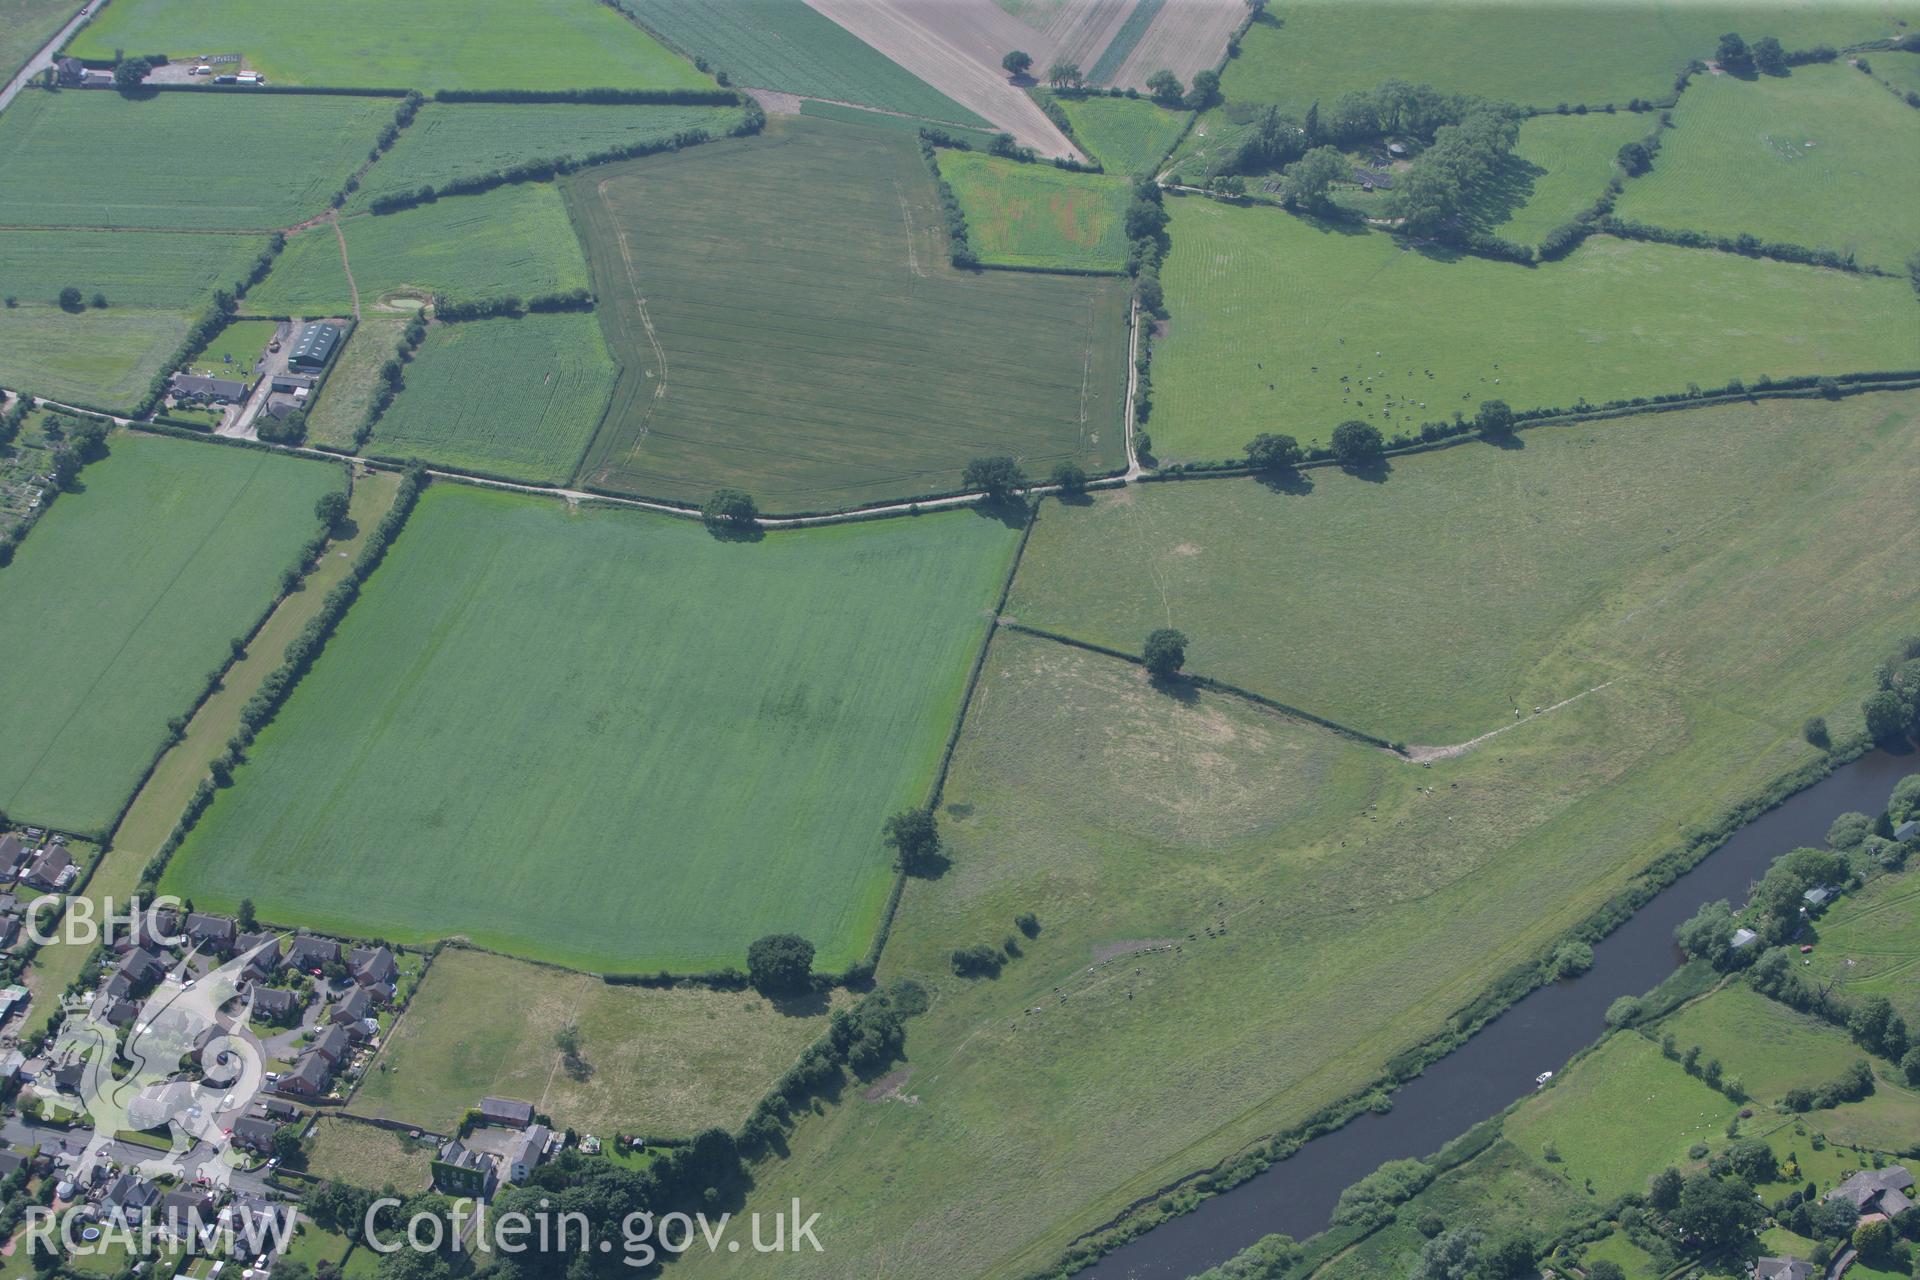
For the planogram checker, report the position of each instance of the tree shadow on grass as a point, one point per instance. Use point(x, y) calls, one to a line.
point(1289, 481)
point(1081, 499)
point(736, 533)
point(805, 1004)
point(346, 531)
point(1510, 441)
point(1374, 472)
point(1178, 687)
point(1010, 511)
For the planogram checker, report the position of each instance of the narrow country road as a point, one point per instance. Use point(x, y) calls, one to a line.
point(42, 60)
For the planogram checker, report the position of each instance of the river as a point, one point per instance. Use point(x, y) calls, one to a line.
point(1494, 1068)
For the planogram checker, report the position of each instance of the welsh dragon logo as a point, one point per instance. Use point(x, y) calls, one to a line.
point(188, 1064)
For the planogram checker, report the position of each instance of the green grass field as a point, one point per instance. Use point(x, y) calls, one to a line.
point(1564, 542)
point(1824, 157)
point(513, 240)
point(663, 1063)
point(25, 25)
point(1580, 1116)
point(104, 359)
point(803, 337)
point(1902, 70)
point(168, 270)
point(235, 349)
point(1330, 904)
point(1533, 54)
point(449, 140)
point(1281, 326)
point(784, 45)
point(121, 601)
point(1033, 215)
point(348, 392)
point(409, 44)
point(1869, 942)
point(104, 160)
point(1765, 1045)
point(1565, 163)
point(607, 739)
point(364, 1155)
point(1126, 135)
point(516, 398)
point(909, 125)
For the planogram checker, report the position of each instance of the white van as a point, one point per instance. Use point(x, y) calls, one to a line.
point(202, 70)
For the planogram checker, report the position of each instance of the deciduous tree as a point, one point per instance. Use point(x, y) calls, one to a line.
point(1165, 653)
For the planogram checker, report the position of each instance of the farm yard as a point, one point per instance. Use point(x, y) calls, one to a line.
point(1546, 54)
point(1823, 157)
point(787, 46)
point(106, 160)
point(405, 44)
point(517, 398)
point(450, 140)
point(1281, 324)
point(1125, 136)
point(666, 1063)
point(1039, 217)
point(825, 668)
point(349, 389)
point(121, 601)
point(510, 241)
point(802, 336)
point(1305, 879)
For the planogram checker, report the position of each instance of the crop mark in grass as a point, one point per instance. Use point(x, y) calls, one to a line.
point(1422, 755)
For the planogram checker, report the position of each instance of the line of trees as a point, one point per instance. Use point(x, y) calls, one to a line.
point(545, 169)
point(392, 379)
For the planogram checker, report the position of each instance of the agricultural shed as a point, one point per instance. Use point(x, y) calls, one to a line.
point(314, 347)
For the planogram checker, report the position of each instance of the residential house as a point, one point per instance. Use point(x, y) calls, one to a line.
point(527, 1151)
point(276, 1005)
point(265, 947)
point(128, 1198)
point(11, 1162)
point(1783, 1269)
point(156, 930)
point(1908, 830)
point(1878, 1190)
point(309, 1078)
point(373, 967)
point(9, 931)
point(52, 868)
point(311, 953)
point(188, 386)
point(356, 1006)
point(186, 1213)
point(256, 1226)
point(461, 1171)
point(140, 969)
point(333, 1044)
point(1743, 938)
point(211, 933)
point(508, 1112)
point(1817, 897)
point(255, 1133)
point(14, 855)
point(70, 71)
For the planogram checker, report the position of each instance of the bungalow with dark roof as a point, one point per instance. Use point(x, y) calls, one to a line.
point(70, 71)
point(1782, 1269)
point(52, 868)
point(189, 386)
point(1877, 1190)
point(309, 952)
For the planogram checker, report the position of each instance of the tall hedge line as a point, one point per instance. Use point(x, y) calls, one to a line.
point(658, 97)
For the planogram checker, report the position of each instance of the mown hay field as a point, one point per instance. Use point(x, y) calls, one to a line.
point(1761, 1043)
point(406, 44)
point(1282, 325)
point(348, 392)
point(106, 160)
point(660, 1063)
point(517, 398)
point(1824, 157)
point(607, 739)
point(787, 323)
point(365, 1155)
point(1869, 943)
point(786, 45)
point(450, 140)
point(122, 600)
point(168, 270)
point(1545, 534)
point(1564, 164)
point(1244, 917)
point(1126, 135)
point(100, 359)
point(513, 240)
point(1535, 55)
point(1037, 216)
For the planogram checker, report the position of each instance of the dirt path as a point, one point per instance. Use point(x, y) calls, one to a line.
point(1421, 755)
point(346, 265)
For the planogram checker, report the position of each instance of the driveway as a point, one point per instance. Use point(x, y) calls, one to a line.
point(42, 60)
point(270, 365)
